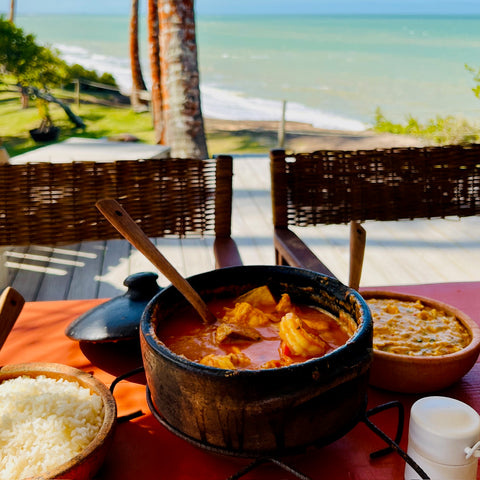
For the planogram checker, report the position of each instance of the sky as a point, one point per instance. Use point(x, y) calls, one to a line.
point(222, 7)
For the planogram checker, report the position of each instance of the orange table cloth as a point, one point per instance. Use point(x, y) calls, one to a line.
point(144, 449)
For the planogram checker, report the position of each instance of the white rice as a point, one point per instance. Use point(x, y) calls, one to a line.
point(44, 423)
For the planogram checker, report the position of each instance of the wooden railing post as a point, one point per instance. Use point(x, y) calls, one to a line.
point(76, 81)
point(281, 128)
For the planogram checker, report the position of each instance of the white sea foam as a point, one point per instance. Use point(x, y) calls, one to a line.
point(217, 102)
point(118, 67)
point(228, 105)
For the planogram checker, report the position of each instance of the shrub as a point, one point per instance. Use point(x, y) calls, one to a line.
point(441, 130)
point(76, 71)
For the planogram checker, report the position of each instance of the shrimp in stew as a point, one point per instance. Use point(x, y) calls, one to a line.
point(255, 331)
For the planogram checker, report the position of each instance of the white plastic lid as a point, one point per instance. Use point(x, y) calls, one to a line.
point(441, 428)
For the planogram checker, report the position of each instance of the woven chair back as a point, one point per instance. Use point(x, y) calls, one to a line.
point(335, 187)
point(54, 203)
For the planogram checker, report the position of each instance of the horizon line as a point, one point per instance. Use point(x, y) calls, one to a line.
point(258, 14)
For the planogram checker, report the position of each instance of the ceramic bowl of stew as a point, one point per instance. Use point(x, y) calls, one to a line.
point(271, 409)
point(421, 345)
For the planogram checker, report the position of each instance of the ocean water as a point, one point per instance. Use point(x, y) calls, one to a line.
point(333, 71)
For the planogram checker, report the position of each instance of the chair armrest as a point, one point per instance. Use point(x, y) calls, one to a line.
point(226, 252)
point(3, 268)
point(292, 250)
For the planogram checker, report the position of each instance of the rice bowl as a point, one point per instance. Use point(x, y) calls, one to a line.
point(56, 422)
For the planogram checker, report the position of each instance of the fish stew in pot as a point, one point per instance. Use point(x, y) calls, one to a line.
point(257, 411)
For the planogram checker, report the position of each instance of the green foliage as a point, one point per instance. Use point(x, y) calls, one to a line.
point(28, 62)
point(43, 109)
point(38, 69)
point(476, 79)
point(51, 70)
point(36, 65)
point(16, 48)
point(441, 130)
point(77, 71)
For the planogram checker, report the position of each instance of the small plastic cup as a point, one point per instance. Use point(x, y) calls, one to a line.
point(442, 439)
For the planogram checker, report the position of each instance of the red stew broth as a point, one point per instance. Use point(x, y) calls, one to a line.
point(185, 334)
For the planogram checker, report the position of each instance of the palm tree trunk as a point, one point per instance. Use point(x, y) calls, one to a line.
point(12, 11)
point(154, 54)
point(138, 85)
point(180, 80)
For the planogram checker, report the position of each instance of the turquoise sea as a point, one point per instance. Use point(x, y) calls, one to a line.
point(333, 71)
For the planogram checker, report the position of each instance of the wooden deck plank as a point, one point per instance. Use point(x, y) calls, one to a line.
point(197, 255)
point(407, 252)
point(57, 279)
point(9, 263)
point(29, 270)
point(382, 257)
point(460, 256)
point(85, 282)
point(115, 269)
point(330, 244)
point(171, 249)
point(252, 212)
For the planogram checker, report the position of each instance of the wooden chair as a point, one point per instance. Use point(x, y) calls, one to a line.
point(338, 187)
point(54, 203)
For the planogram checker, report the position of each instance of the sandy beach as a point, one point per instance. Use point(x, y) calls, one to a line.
point(302, 137)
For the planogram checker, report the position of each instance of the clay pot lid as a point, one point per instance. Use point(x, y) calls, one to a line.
point(119, 318)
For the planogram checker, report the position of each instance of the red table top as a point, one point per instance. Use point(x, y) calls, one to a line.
point(144, 449)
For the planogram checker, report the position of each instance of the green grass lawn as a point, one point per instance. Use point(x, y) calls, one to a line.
point(101, 121)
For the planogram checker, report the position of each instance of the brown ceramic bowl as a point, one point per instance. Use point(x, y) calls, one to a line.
point(84, 465)
point(422, 374)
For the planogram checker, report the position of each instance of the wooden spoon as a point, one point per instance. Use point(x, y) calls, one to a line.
point(122, 221)
point(358, 237)
point(11, 304)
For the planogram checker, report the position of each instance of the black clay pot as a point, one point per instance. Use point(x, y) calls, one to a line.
point(252, 412)
point(42, 135)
